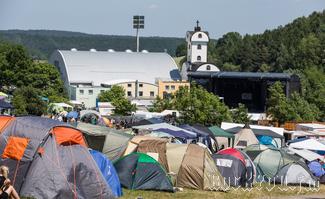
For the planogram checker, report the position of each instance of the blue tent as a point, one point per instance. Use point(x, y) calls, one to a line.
point(203, 136)
point(266, 140)
point(183, 135)
point(316, 168)
point(108, 171)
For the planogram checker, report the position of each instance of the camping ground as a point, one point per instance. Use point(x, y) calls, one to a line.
point(263, 191)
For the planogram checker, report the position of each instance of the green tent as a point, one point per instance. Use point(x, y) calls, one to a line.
point(269, 160)
point(109, 141)
point(140, 171)
point(219, 132)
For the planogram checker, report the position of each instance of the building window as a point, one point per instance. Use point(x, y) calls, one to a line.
point(90, 92)
point(167, 87)
point(141, 85)
point(172, 87)
point(129, 85)
point(208, 67)
point(140, 93)
point(81, 92)
point(199, 47)
point(101, 91)
point(199, 58)
point(152, 93)
point(200, 35)
point(129, 94)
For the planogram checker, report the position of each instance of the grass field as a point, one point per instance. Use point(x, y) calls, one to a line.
point(263, 191)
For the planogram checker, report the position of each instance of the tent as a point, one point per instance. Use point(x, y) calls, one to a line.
point(163, 126)
point(190, 165)
point(266, 132)
point(316, 168)
point(310, 144)
point(49, 159)
point(108, 171)
point(268, 160)
point(294, 174)
point(183, 136)
point(222, 136)
point(204, 135)
point(244, 138)
point(237, 168)
point(86, 112)
point(133, 143)
point(109, 141)
point(267, 140)
point(140, 171)
point(305, 154)
point(5, 105)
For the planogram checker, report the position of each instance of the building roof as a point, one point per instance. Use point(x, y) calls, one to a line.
point(102, 66)
point(242, 75)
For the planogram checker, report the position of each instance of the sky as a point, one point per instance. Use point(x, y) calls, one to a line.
point(165, 18)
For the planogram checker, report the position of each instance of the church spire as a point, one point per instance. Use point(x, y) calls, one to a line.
point(197, 28)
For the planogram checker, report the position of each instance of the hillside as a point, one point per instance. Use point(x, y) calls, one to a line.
point(41, 43)
point(297, 45)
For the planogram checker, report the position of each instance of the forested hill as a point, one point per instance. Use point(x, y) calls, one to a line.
point(298, 45)
point(41, 43)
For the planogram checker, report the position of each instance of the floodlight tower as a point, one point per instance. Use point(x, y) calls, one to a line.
point(138, 23)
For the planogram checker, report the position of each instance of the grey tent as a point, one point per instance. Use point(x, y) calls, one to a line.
point(269, 160)
point(109, 141)
point(294, 174)
point(49, 159)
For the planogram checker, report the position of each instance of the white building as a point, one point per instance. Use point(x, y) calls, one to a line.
point(197, 52)
point(83, 72)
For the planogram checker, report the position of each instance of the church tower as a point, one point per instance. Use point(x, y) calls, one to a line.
point(197, 45)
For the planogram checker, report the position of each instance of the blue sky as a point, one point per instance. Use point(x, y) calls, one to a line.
point(162, 17)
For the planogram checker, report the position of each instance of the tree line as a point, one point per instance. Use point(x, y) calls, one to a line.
point(42, 43)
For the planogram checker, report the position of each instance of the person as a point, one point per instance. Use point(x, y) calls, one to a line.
point(6, 190)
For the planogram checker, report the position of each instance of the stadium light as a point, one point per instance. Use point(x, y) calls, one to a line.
point(138, 23)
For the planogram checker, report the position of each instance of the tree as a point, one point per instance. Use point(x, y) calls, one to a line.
point(277, 103)
point(116, 95)
point(181, 50)
point(160, 105)
point(240, 114)
point(197, 105)
point(27, 101)
point(116, 92)
point(17, 70)
point(301, 109)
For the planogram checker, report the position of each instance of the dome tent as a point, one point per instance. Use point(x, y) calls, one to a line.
point(294, 174)
point(140, 171)
point(48, 159)
point(108, 171)
point(190, 164)
point(109, 141)
point(268, 160)
point(236, 167)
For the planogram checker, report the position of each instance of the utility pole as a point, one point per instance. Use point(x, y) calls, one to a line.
point(138, 23)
